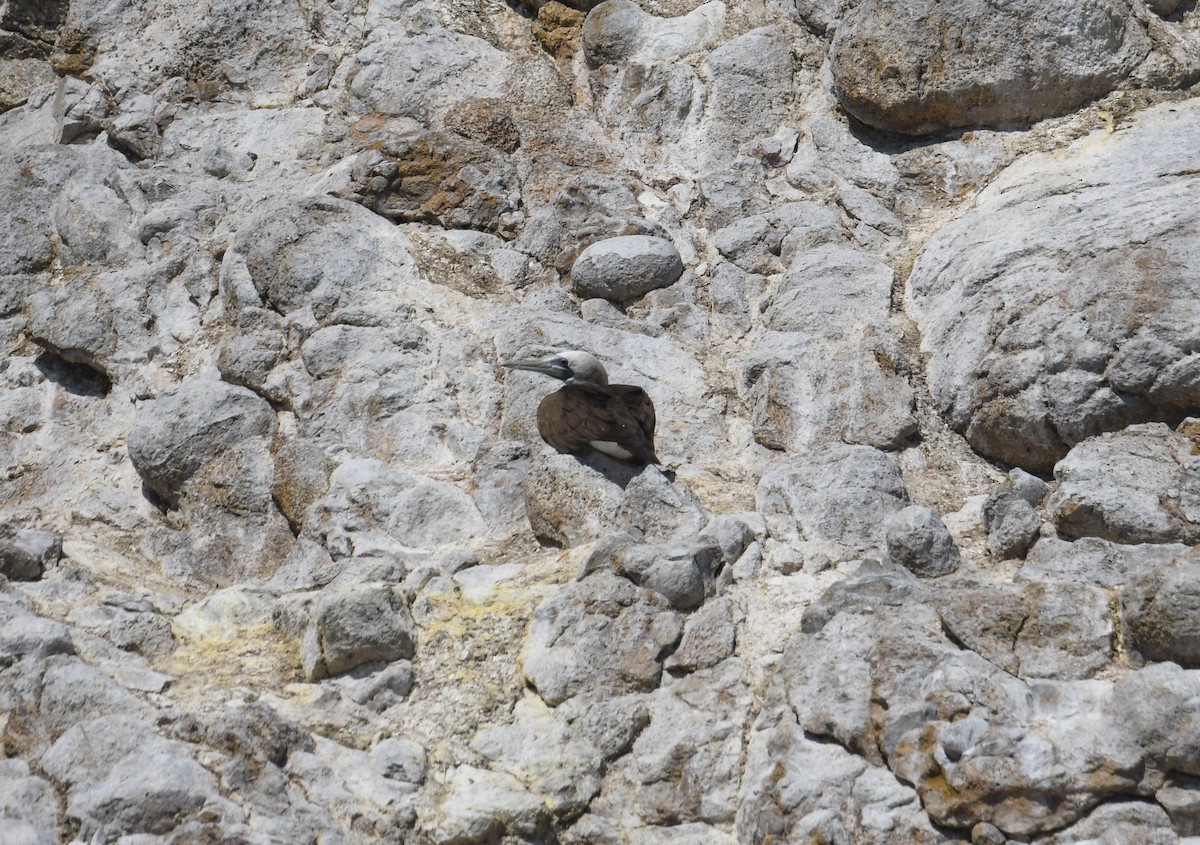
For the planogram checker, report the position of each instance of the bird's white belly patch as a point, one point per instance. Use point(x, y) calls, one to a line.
point(608, 447)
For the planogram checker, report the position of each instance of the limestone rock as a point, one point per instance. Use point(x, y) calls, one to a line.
point(922, 68)
point(619, 31)
point(432, 177)
point(343, 628)
point(569, 503)
point(74, 322)
point(180, 432)
point(625, 267)
point(918, 540)
point(553, 762)
point(1030, 362)
point(29, 804)
point(1161, 609)
point(1047, 629)
point(805, 390)
point(709, 636)
point(25, 553)
point(122, 775)
point(1140, 485)
point(400, 759)
point(837, 497)
point(684, 767)
point(1014, 528)
point(1009, 517)
point(601, 633)
point(482, 806)
point(751, 89)
point(1101, 562)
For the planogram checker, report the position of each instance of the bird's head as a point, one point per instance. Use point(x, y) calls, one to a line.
point(569, 365)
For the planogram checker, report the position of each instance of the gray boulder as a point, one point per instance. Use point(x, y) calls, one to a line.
point(625, 268)
point(750, 91)
point(74, 322)
point(829, 288)
point(1100, 562)
point(121, 775)
point(685, 766)
point(709, 636)
point(1039, 629)
point(199, 422)
point(344, 627)
point(29, 805)
point(23, 633)
point(400, 759)
point(600, 633)
point(1014, 527)
point(568, 502)
point(1161, 611)
point(680, 572)
point(1140, 485)
point(483, 806)
point(918, 540)
point(619, 31)
point(1025, 360)
point(918, 68)
point(805, 390)
point(555, 762)
point(835, 500)
point(25, 553)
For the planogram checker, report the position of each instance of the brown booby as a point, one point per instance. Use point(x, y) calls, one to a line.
point(616, 419)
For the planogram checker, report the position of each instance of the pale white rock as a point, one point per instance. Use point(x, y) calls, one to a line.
point(851, 386)
point(29, 804)
point(400, 759)
point(1139, 485)
point(830, 287)
point(1024, 359)
point(26, 634)
point(556, 763)
point(619, 31)
point(371, 507)
point(686, 764)
point(19, 832)
point(601, 633)
point(836, 497)
point(483, 805)
point(751, 89)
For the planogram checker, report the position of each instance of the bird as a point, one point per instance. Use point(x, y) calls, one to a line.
point(616, 419)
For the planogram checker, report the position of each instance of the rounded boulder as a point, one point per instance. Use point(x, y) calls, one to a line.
point(625, 268)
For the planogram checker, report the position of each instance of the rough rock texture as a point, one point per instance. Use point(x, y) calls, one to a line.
point(1029, 352)
point(1139, 485)
point(283, 557)
point(922, 67)
point(918, 540)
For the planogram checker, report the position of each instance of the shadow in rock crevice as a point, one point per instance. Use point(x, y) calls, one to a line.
point(73, 377)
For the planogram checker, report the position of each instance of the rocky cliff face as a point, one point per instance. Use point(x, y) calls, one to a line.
point(914, 287)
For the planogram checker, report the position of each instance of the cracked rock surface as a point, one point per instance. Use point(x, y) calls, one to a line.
point(912, 286)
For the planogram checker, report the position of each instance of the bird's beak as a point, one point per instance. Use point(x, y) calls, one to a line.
point(546, 366)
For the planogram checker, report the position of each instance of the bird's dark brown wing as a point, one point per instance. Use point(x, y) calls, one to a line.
point(571, 418)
